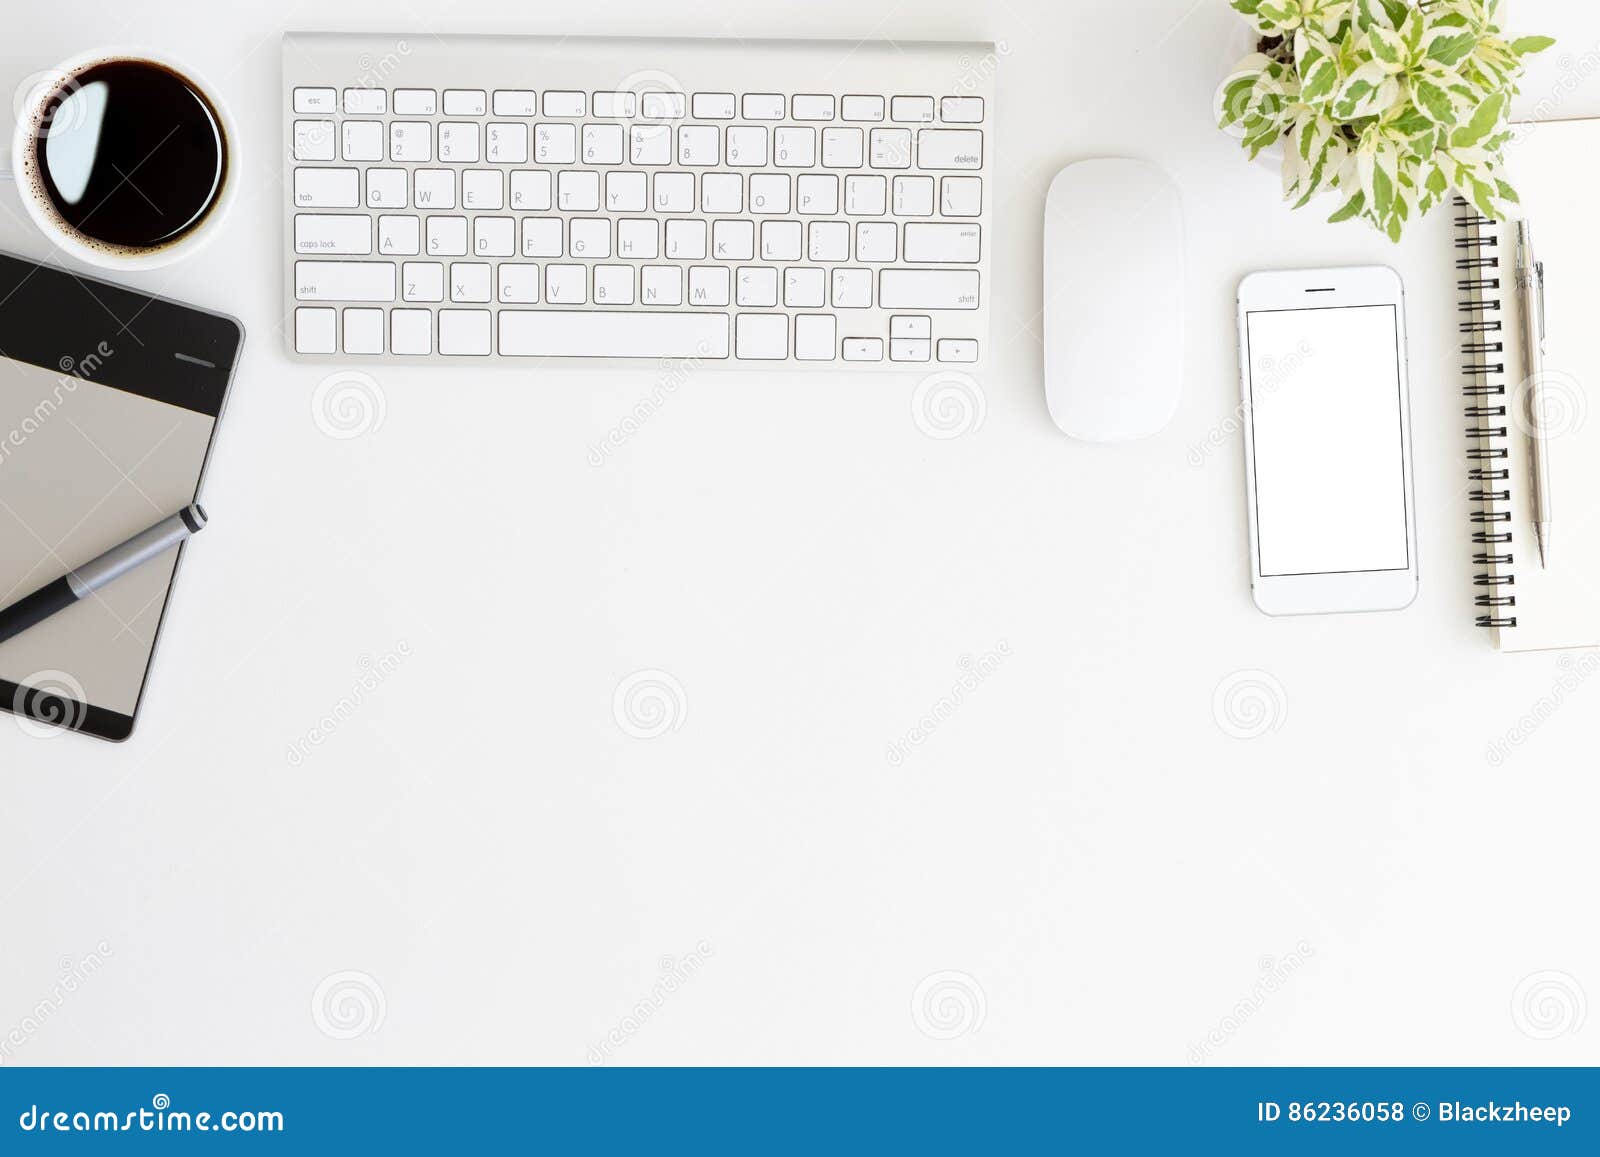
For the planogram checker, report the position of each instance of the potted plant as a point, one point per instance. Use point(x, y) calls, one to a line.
point(1390, 104)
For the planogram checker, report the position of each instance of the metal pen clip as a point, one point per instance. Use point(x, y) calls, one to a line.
point(1538, 272)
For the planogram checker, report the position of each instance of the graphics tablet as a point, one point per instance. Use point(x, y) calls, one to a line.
point(109, 405)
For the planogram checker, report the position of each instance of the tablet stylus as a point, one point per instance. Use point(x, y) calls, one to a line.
point(109, 567)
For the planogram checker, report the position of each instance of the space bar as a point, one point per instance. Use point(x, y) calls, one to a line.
point(581, 333)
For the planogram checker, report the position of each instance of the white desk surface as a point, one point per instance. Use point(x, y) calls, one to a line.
point(1113, 876)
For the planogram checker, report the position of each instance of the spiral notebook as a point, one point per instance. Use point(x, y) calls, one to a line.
point(1555, 166)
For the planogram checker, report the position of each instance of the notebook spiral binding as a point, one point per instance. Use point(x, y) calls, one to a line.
point(1483, 367)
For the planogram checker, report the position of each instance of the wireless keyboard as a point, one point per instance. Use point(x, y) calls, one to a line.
point(810, 204)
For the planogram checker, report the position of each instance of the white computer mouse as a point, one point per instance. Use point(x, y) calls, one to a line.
point(1113, 300)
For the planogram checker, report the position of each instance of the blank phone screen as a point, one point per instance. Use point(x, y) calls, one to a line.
point(1329, 440)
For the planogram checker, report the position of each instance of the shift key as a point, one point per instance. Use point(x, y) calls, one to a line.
point(928, 289)
point(344, 280)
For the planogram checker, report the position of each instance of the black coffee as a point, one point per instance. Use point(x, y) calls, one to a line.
point(130, 154)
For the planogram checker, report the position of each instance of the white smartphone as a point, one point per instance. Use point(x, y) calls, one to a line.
point(1327, 428)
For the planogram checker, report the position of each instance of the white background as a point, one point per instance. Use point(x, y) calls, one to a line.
point(1087, 839)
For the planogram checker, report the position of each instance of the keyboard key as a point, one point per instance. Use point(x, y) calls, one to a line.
point(515, 102)
point(763, 106)
point(949, 149)
point(589, 237)
point(342, 233)
point(817, 193)
point(627, 193)
point(362, 140)
point(482, 189)
point(415, 102)
point(769, 193)
point(638, 239)
point(507, 143)
point(582, 334)
point(909, 349)
point(458, 142)
point(531, 190)
point(762, 337)
point(465, 102)
point(555, 144)
point(675, 191)
point(890, 148)
point(519, 284)
point(961, 196)
point(733, 240)
point(928, 289)
point(386, 188)
point(615, 105)
point(566, 284)
point(747, 146)
point(911, 108)
point(829, 241)
point(780, 240)
point(709, 285)
point(757, 287)
point(327, 188)
point(661, 284)
point(686, 240)
point(913, 196)
point(794, 148)
point(698, 145)
point(876, 241)
point(344, 280)
point(957, 349)
point(363, 331)
point(863, 349)
point(541, 237)
point(494, 236)
point(447, 236)
point(650, 145)
point(720, 193)
point(852, 289)
point(961, 109)
point(662, 106)
point(862, 108)
point(805, 288)
point(808, 107)
point(433, 188)
point(411, 331)
point(565, 104)
point(613, 285)
point(314, 100)
point(422, 281)
point(866, 196)
point(841, 148)
point(365, 102)
point(399, 236)
point(602, 144)
point(314, 330)
point(938, 244)
point(815, 337)
point(465, 331)
point(313, 140)
point(713, 106)
point(469, 281)
point(578, 190)
point(911, 325)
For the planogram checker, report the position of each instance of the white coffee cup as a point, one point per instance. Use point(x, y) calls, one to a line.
point(29, 111)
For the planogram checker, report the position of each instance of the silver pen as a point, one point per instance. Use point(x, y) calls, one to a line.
point(1530, 289)
point(91, 576)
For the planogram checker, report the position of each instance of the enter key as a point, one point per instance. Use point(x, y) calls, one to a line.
point(942, 244)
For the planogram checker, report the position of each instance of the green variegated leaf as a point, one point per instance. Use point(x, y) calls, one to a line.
point(1351, 208)
point(1434, 101)
point(1482, 124)
point(1528, 45)
point(1387, 48)
point(1449, 46)
point(1368, 91)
